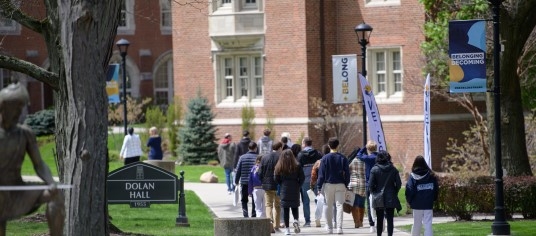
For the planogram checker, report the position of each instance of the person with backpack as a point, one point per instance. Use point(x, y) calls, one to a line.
point(265, 143)
point(307, 158)
point(422, 190)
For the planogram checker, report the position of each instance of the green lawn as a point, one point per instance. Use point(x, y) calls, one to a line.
point(470, 228)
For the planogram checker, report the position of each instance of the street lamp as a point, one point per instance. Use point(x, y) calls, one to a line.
point(123, 44)
point(363, 32)
point(499, 226)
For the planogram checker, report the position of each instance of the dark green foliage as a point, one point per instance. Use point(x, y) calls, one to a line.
point(197, 137)
point(174, 116)
point(461, 198)
point(42, 122)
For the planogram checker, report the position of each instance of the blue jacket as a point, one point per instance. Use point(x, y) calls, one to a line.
point(422, 190)
point(333, 169)
point(370, 161)
point(245, 163)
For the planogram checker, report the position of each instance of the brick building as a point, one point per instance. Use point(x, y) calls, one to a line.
point(146, 24)
point(276, 55)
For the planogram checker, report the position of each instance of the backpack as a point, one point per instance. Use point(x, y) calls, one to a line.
point(265, 147)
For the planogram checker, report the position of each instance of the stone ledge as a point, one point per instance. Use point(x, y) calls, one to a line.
point(166, 165)
point(242, 226)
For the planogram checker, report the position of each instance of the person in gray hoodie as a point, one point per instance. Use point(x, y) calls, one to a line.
point(264, 145)
point(226, 155)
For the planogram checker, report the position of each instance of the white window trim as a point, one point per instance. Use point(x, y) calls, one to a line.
point(130, 28)
point(165, 30)
point(385, 97)
point(236, 100)
point(381, 3)
point(169, 89)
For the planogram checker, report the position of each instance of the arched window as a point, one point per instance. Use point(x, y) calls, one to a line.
point(163, 81)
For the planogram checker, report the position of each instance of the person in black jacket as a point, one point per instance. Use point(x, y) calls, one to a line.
point(245, 163)
point(266, 173)
point(307, 158)
point(422, 190)
point(242, 147)
point(289, 176)
point(384, 177)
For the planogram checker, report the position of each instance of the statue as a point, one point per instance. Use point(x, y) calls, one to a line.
point(16, 197)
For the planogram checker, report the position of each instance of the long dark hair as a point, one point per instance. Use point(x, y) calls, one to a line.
point(420, 163)
point(287, 163)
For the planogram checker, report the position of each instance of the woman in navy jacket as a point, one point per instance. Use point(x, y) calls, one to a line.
point(421, 192)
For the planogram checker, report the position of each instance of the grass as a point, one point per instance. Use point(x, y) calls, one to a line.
point(470, 228)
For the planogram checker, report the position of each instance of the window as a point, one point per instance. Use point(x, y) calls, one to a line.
point(5, 78)
point(382, 2)
point(126, 20)
point(240, 79)
point(165, 16)
point(385, 74)
point(162, 83)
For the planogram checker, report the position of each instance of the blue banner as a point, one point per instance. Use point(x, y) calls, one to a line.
point(467, 52)
point(112, 83)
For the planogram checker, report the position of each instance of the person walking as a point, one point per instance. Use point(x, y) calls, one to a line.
point(155, 145)
point(357, 185)
point(290, 177)
point(266, 173)
point(333, 177)
point(384, 186)
point(307, 158)
point(255, 188)
point(265, 143)
point(368, 155)
point(131, 149)
point(422, 190)
point(245, 163)
point(226, 156)
point(242, 147)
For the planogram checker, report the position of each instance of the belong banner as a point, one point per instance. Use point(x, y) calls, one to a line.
point(427, 148)
point(373, 115)
point(112, 83)
point(467, 52)
point(344, 79)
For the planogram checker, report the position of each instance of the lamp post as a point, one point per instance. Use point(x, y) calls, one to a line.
point(123, 44)
point(363, 32)
point(499, 226)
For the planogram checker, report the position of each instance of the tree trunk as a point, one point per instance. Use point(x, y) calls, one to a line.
point(517, 22)
point(79, 50)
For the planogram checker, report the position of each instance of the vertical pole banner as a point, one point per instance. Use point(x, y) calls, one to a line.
point(427, 141)
point(112, 85)
point(344, 79)
point(467, 52)
point(373, 115)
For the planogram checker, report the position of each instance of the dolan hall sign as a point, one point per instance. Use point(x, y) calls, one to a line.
point(140, 185)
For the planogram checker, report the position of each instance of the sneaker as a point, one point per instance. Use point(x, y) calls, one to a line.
point(287, 231)
point(307, 224)
point(328, 230)
point(339, 231)
point(317, 223)
point(296, 225)
point(372, 229)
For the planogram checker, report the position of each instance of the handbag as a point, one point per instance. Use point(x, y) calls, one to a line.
point(349, 197)
point(377, 198)
point(347, 208)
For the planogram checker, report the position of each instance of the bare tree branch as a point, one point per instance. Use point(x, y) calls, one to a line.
point(11, 11)
point(15, 64)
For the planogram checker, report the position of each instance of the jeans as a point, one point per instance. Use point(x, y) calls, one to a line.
point(273, 203)
point(306, 202)
point(244, 200)
point(388, 213)
point(334, 194)
point(420, 218)
point(229, 180)
point(370, 219)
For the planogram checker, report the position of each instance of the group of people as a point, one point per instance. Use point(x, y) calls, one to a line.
point(131, 150)
point(277, 178)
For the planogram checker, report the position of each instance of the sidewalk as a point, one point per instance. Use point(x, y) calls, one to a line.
point(220, 203)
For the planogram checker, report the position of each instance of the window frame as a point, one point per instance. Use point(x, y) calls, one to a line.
point(381, 3)
point(130, 27)
point(165, 11)
point(389, 93)
point(168, 64)
point(233, 94)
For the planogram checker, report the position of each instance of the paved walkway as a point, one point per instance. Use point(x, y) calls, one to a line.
point(217, 199)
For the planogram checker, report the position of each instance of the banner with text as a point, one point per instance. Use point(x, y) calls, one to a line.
point(344, 79)
point(467, 52)
point(112, 83)
point(427, 141)
point(373, 115)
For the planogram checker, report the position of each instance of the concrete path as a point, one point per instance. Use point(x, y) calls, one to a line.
point(220, 203)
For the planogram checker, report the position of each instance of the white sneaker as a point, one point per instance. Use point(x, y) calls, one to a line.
point(372, 229)
point(339, 231)
point(287, 231)
point(296, 225)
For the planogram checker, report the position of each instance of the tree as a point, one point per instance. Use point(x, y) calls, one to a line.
point(248, 123)
point(517, 23)
point(79, 37)
point(198, 138)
